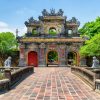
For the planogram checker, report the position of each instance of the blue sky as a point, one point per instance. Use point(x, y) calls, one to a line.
point(13, 13)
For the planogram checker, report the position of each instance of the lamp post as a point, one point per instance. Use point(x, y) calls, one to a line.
point(17, 33)
point(17, 37)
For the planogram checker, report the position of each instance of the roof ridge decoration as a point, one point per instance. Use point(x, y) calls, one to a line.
point(74, 20)
point(52, 12)
point(32, 20)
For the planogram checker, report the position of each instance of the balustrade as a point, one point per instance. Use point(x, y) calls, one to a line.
point(85, 74)
point(13, 75)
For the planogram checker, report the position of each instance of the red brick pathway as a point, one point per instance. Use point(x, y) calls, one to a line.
point(53, 83)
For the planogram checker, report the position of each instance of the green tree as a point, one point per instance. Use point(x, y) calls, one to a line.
point(52, 55)
point(8, 44)
point(91, 47)
point(91, 28)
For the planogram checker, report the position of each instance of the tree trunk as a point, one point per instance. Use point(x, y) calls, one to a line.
point(2, 60)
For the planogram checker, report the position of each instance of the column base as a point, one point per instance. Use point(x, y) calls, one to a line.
point(42, 66)
point(62, 65)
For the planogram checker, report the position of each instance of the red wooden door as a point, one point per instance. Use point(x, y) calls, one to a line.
point(33, 58)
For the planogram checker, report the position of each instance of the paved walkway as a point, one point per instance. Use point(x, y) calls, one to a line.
point(53, 83)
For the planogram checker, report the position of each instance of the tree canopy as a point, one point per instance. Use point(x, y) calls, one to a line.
point(8, 43)
point(91, 47)
point(92, 31)
point(91, 28)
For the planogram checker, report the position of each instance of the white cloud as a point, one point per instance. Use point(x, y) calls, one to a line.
point(4, 27)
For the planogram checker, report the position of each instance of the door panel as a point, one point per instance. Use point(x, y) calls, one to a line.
point(33, 58)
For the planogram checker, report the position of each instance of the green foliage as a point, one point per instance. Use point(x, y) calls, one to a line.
point(8, 43)
point(52, 55)
point(34, 32)
point(92, 31)
point(1, 76)
point(91, 28)
point(52, 32)
point(91, 47)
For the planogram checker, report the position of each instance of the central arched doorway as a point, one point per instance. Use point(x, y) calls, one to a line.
point(72, 58)
point(52, 58)
point(33, 59)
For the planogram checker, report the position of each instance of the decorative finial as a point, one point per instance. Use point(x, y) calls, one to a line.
point(60, 12)
point(52, 12)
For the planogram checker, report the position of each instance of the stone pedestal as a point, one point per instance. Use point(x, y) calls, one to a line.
point(7, 73)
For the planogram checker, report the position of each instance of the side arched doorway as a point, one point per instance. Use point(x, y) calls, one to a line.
point(33, 59)
point(72, 58)
point(52, 58)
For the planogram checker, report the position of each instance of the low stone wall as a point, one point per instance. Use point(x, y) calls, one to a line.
point(85, 74)
point(4, 84)
point(13, 75)
point(2, 69)
point(89, 75)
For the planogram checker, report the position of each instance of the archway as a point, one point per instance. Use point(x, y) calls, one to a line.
point(72, 58)
point(33, 59)
point(52, 58)
point(34, 32)
point(52, 31)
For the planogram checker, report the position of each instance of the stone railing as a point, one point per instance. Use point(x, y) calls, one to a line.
point(87, 75)
point(2, 69)
point(12, 77)
point(90, 75)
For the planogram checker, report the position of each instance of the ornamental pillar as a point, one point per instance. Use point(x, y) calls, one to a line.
point(62, 55)
point(42, 55)
point(22, 56)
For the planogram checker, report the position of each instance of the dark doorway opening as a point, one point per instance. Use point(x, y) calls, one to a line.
point(52, 58)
